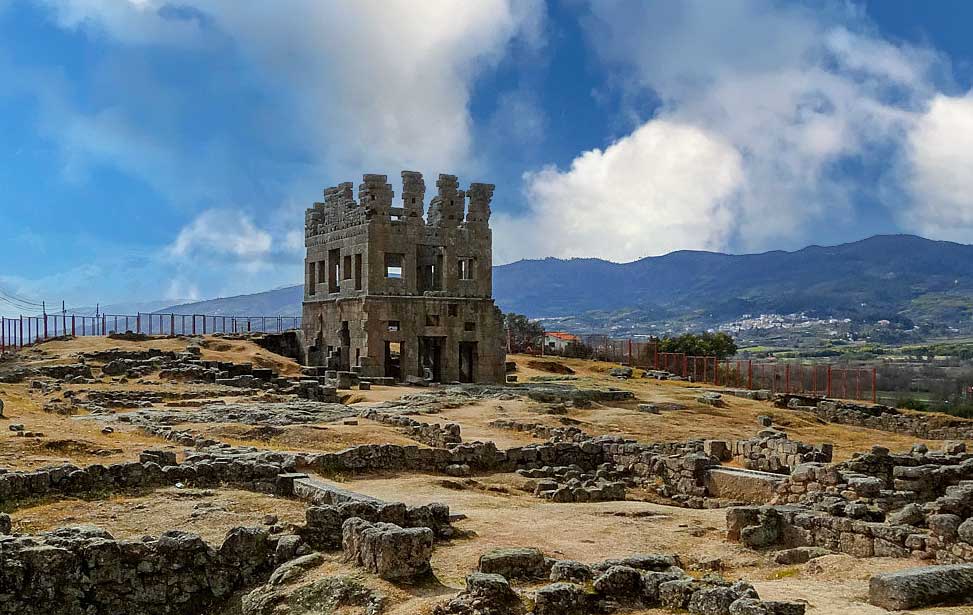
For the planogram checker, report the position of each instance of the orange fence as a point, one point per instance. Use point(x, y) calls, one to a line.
point(860, 383)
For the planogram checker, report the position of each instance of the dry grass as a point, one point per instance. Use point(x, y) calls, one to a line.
point(207, 512)
point(737, 421)
point(498, 512)
point(309, 438)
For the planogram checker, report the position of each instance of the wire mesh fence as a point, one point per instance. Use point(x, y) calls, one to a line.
point(26, 330)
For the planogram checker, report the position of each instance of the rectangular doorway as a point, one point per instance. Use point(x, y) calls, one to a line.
point(430, 358)
point(467, 361)
point(393, 360)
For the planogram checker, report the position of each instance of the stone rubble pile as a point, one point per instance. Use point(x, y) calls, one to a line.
point(296, 412)
point(431, 434)
point(641, 581)
point(917, 505)
point(72, 373)
point(573, 484)
point(556, 434)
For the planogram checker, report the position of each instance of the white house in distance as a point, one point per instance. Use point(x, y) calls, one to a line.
point(557, 341)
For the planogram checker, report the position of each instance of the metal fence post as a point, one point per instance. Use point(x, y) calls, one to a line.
point(874, 386)
point(828, 393)
point(787, 379)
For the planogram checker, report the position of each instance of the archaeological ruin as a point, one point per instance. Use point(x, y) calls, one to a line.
point(392, 294)
point(214, 473)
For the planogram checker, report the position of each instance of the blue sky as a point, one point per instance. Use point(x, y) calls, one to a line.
point(167, 150)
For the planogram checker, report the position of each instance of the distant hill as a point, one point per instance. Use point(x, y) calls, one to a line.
point(284, 301)
point(883, 277)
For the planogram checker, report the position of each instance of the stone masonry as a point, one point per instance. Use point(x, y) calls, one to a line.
point(391, 294)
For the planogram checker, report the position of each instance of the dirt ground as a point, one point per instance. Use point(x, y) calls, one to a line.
point(497, 512)
point(207, 512)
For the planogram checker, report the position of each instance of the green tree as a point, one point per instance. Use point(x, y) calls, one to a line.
point(524, 333)
point(721, 345)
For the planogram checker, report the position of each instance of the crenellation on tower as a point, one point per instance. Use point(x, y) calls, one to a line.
point(413, 196)
point(480, 197)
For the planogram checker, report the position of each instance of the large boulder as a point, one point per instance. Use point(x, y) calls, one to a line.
point(754, 606)
point(713, 601)
point(515, 563)
point(619, 583)
point(921, 587)
point(390, 551)
point(561, 599)
point(486, 594)
point(910, 514)
point(570, 572)
point(623, 373)
point(965, 531)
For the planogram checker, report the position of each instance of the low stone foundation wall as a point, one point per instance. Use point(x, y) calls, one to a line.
point(776, 453)
point(788, 527)
point(430, 434)
point(916, 505)
point(556, 434)
point(929, 426)
point(85, 570)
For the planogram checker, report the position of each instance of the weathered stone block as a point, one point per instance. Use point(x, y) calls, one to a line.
point(921, 587)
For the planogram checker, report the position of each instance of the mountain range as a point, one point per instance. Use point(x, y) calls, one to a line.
point(895, 277)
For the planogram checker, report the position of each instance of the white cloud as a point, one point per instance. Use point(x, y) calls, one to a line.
point(645, 193)
point(938, 169)
point(794, 93)
point(182, 291)
point(340, 89)
point(222, 233)
point(377, 83)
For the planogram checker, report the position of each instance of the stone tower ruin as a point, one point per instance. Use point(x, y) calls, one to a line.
point(391, 294)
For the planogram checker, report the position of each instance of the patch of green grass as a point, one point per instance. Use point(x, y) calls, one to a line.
point(785, 573)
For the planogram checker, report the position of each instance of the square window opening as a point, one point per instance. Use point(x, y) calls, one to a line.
point(466, 268)
point(432, 320)
point(393, 266)
point(469, 326)
point(452, 310)
point(394, 325)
